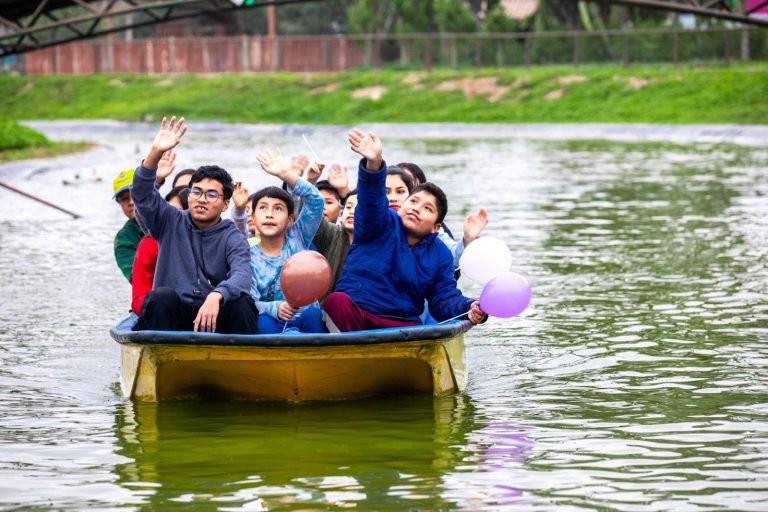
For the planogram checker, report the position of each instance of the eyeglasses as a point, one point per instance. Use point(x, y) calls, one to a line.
point(210, 195)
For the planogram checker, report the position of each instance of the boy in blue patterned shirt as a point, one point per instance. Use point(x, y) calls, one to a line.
point(282, 235)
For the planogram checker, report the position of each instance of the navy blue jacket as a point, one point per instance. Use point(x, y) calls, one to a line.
point(383, 274)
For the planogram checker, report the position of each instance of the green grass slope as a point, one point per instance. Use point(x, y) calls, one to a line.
point(537, 95)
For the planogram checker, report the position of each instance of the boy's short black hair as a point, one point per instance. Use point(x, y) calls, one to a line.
point(440, 199)
point(326, 185)
point(415, 170)
point(214, 172)
point(185, 172)
point(274, 193)
point(394, 170)
point(182, 193)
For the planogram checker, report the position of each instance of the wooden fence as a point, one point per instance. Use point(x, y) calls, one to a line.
point(339, 53)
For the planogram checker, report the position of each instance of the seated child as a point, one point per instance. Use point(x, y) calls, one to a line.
point(395, 261)
point(332, 208)
point(333, 240)
point(282, 235)
point(399, 186)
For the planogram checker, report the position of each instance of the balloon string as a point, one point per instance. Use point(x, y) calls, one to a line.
point(310, 148)
point(285, 325)
point(454, 318)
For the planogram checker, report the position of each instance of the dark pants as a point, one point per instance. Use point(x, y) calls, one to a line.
point(348, 316)
point(163, 310)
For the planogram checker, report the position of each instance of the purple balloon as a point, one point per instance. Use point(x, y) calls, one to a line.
point(505, 295)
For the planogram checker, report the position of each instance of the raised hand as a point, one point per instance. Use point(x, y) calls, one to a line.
point(274, 164)
point(166, 166)
point(170, 134)
point(474, 225)
point(240, 196)
point(367, 145)
point(314, 171)
point(168, 137)
point(299, 164)
point(338, 177)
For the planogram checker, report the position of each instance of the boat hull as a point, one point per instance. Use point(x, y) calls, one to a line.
point(153, 370)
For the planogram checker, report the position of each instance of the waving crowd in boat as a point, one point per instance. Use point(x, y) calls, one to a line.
point(392, 260)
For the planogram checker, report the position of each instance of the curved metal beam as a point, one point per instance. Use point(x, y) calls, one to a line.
point(84, 20)
point(713, 9)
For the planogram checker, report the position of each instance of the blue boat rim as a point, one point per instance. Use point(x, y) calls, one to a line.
point(123, 333)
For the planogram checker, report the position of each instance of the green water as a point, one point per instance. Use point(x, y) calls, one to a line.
point(636, 381)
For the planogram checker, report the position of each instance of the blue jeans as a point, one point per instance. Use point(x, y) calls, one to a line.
point(309, 319)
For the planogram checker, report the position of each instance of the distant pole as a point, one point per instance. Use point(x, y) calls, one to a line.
point(35, 198)
point(271, 35)
point(271, 21)
point(744, 33)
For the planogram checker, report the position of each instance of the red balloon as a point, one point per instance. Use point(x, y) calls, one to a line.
point(305, 278)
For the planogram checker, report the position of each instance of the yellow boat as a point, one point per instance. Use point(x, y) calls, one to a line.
point(158, 365)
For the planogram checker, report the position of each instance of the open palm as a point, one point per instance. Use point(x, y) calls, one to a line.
point(367, 145)
point(170, 134)
point(272, 162)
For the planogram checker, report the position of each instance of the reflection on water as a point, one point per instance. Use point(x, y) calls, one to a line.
point(637, 379)
point(384, 452)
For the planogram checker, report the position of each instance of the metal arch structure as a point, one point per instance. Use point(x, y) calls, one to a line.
point(27, 25)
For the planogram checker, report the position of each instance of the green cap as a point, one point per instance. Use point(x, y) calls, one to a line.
point(123, 181)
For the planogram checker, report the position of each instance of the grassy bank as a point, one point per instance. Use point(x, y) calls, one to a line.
point(19, 142)
point(548, 95)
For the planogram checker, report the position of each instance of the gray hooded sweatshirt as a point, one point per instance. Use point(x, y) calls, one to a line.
point(192, 261)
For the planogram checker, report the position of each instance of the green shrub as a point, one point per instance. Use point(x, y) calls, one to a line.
point(15, 136)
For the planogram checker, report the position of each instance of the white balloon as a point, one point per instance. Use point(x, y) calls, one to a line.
point(485, 258)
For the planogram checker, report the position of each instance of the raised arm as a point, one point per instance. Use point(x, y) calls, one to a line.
point(367, 145)
point(338, 177)
point(167, 138)
point(311, 213)
point(151, 207)
point(239, 217)
point(372, 215)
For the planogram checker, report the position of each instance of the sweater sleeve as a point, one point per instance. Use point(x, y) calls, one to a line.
point(311, 213)
point(456, 247)
point(238, 279)
point(153, 209)
point(268, 308)
point(240, 220)
point(444, 297)
point(372, 215)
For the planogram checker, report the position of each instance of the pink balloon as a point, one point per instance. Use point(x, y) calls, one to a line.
point(505, 295)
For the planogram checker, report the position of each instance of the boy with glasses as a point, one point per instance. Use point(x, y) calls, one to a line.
point(203, 274)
